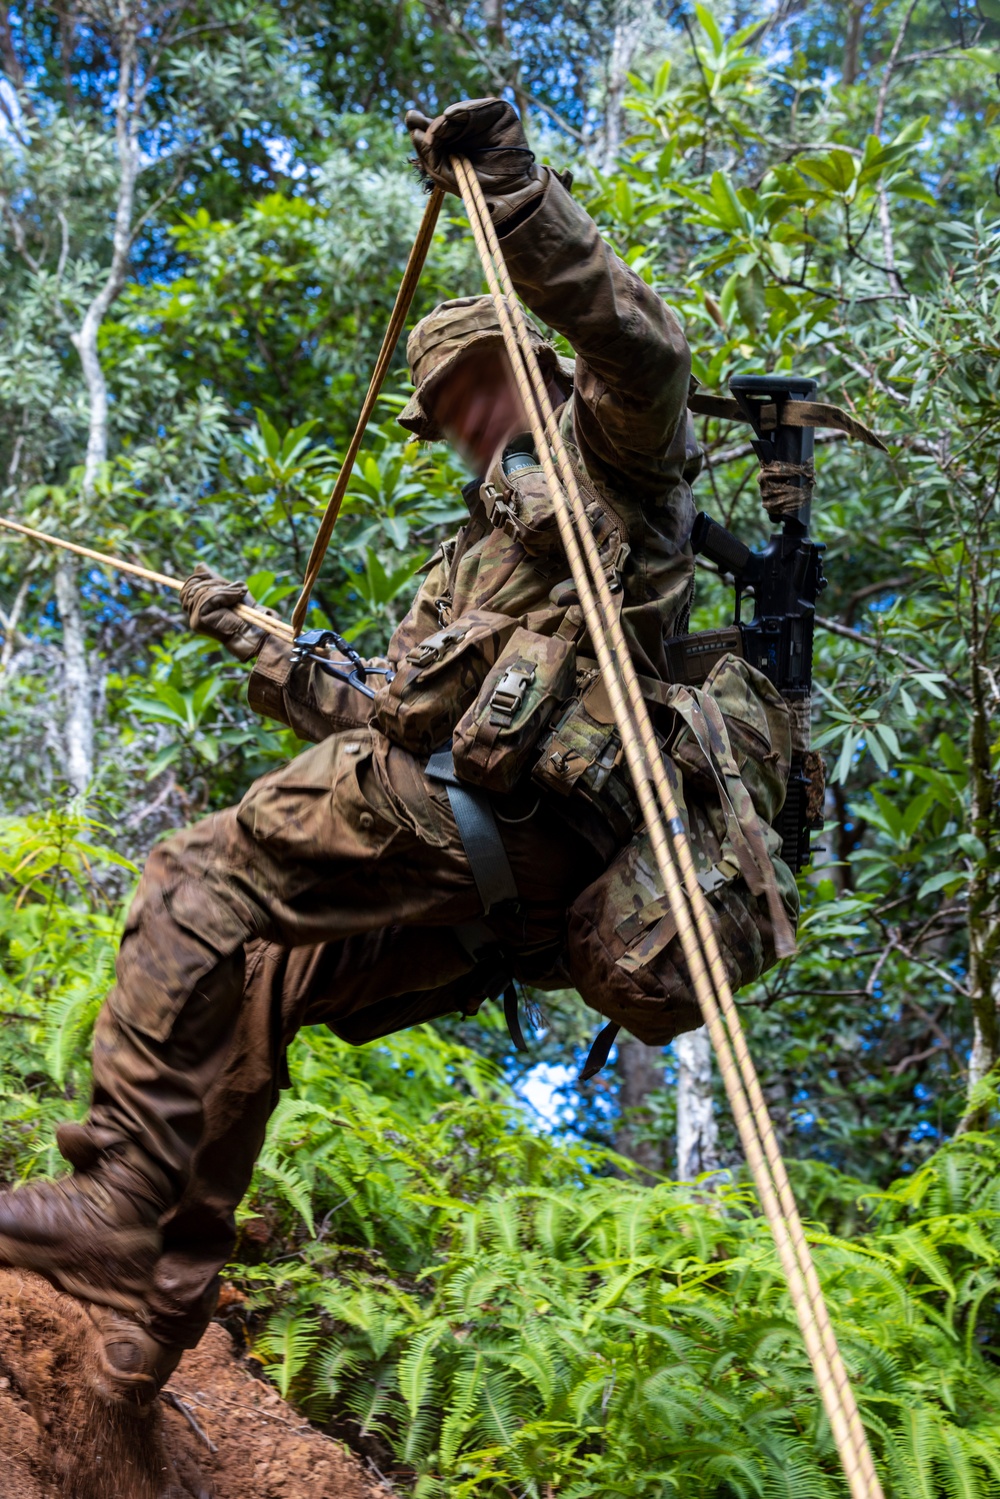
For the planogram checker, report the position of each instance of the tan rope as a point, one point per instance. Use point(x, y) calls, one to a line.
point(404, 297)
point(643, 756)
point(272, 624)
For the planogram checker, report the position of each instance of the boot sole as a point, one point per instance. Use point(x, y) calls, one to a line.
point(133, 1251)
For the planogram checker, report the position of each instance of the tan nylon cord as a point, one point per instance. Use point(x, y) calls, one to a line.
point(645, 763)
point(271, 624)
point(828, 1341)
point(404, 297)
point(643, 754)
point(639, 767)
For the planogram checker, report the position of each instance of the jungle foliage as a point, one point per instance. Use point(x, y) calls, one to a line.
point(486, 1310)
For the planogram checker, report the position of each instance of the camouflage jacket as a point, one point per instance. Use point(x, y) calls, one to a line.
point(629, 436)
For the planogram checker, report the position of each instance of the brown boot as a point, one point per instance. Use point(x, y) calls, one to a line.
point(132, 1367)
point(94, 1234)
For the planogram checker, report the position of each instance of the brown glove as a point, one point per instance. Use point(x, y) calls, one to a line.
point(490, 134)
point(209, 603)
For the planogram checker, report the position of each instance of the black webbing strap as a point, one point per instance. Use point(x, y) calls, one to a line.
point(483, 947)
point(513, 1019)
point(599, 1051)
point(479, 833)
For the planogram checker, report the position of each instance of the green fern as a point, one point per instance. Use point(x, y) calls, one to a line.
point(284, 1348)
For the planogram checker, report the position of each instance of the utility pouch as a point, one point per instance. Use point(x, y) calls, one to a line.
point(516, 500)
point(581, 762)
point(438, 679)
point(757, 725)
point(625, 956)
point(496, 737)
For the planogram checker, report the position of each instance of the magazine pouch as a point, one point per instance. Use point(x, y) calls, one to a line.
point(581, 763)
point(495, 739)
point(439, 678)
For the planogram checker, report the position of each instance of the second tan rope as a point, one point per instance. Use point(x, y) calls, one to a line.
point(811, 1309)
point(407, 287)
point(645, 762)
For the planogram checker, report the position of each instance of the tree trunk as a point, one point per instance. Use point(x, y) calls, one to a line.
point(631, 19)
point(78, 689)
point(697, 1132)
point(641, 1071)
point(78, 733)
point(852, 41)
point(984, 917)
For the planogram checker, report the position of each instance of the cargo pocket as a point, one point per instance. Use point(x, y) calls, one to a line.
point(325, 807)
point(173, 940)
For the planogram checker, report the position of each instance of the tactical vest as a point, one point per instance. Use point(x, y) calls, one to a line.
point(493, 661)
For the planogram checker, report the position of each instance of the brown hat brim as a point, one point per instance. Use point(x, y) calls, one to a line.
point(416, 415)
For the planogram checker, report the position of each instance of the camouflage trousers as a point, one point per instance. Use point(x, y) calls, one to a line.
point(337, 892)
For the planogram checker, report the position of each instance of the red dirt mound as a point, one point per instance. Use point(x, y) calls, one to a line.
point(218, 1433)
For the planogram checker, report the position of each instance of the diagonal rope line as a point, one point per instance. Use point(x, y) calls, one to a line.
point(649, 774)
point(269, 622)
point(407, 287)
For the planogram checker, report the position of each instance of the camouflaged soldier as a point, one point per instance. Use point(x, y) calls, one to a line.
point(340, 890)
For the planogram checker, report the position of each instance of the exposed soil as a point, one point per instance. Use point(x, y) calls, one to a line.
point(57, 1441)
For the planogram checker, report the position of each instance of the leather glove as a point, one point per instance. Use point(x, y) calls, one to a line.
point(209, 603)
point(490, 134)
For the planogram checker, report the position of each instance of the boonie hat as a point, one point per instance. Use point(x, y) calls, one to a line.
point(444, 337)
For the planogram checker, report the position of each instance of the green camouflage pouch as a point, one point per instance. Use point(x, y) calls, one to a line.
point(496, 737)
point(581, 762)
point(758, 726)
point(623, 951)
point(438, 679)
point(727, 764)
point(516, 499)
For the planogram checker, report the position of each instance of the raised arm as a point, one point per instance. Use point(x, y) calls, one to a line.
point(633, 365)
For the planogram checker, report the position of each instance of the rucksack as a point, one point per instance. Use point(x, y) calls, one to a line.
point(727, 756)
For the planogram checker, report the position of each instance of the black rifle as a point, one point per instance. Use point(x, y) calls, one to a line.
point(785, 580)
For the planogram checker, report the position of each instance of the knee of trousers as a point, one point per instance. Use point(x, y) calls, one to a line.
point(184, 924)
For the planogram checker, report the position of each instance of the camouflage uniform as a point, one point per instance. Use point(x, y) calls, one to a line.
point(338, 891)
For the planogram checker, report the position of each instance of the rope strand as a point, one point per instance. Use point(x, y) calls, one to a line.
point(643, 756)
point(407, 287)
point(270, 623)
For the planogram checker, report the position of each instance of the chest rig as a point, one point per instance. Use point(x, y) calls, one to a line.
point(516, 501)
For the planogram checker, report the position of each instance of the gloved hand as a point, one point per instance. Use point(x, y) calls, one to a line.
point(209, 603)
point(490, 134)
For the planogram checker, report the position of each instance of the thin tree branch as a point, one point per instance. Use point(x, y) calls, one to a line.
point(872, 644)
point(890, 68)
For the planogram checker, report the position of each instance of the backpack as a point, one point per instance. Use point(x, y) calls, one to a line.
point(727, 757)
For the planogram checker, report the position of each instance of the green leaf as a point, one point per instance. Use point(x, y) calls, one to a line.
point(949, 880)
point(709, 26)
point(750, 299)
